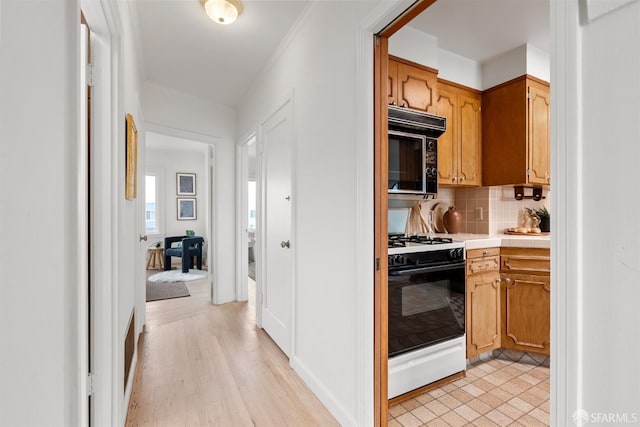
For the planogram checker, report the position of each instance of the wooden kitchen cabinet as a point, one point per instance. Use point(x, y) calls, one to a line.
point(525, 299)
point(483, 322)
point(412, 85)
point(515, 133)
point(459, 148)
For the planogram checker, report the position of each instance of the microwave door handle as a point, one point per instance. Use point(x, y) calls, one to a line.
point(431, 269)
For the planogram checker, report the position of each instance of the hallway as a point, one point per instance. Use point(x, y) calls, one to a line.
point(201, 365)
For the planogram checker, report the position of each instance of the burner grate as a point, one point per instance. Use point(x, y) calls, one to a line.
point(400, 241)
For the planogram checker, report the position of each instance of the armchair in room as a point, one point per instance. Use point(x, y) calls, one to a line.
point(190, 248)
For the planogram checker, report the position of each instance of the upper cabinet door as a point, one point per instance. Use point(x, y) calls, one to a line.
point(448, 141)
point(469, 172)
point(460, 147)
point(392, 83)
point(538, 133)
point(417, 88)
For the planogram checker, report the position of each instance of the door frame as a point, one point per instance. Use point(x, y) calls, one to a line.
point(259, 246)
point(211, 179)
point(242, 206)
point(565, 316)
point(104, 35)
point(372, 69)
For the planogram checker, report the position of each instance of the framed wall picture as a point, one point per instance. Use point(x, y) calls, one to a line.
point(186, 208)
point(131, 153)
point(185, 184)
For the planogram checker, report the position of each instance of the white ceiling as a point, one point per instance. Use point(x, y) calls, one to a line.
point(483, 29)
point(186, 51)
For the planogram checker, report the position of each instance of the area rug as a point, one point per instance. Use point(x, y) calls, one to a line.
point(160, 291)
point(177, 276)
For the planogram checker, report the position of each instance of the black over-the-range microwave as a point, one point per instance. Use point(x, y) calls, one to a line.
point(413, 151)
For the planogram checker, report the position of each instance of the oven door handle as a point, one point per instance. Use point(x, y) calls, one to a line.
point(431, 269)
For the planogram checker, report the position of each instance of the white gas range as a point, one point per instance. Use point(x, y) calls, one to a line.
point(426, 311)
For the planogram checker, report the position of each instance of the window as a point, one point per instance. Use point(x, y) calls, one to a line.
point(252, 205)
point(153, 202)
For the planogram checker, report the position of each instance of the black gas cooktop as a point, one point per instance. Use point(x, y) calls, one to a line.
point(401, 240)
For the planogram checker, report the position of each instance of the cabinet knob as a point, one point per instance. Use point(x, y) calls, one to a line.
point(498, 280)
point(393, 103)
point(461, 178)
point(485, 253)
point(454, 178)
point(508, 280)
point(404, 105)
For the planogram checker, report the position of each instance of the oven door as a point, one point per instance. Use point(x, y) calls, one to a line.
point(407, 159)
point(426, 306)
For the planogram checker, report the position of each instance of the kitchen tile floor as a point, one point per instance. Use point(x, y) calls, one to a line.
point(496, 392)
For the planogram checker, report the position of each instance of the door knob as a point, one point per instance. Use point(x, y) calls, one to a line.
point(143, 238)
point(286, 244)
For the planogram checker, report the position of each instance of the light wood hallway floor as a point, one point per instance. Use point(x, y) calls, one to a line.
point(206, 365)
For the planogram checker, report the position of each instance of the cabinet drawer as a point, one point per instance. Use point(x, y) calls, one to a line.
point(483, 265)
point(479, 253)
point(528, 264)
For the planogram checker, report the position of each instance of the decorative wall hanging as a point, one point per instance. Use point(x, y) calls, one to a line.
point(185, 184)
point(186, 208)
point(131, 152)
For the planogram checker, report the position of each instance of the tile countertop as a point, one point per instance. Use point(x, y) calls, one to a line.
point(479, 241)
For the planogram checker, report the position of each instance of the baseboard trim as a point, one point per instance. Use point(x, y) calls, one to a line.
point(336, 409)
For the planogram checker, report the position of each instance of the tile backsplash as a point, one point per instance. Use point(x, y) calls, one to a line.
point(485, 210)
point(489, 210)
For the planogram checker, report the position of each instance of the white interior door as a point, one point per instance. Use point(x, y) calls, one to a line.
point(277, 144)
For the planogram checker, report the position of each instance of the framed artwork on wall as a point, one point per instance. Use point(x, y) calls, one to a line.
point(131, 153)
point(186, 208)
point(185, 184)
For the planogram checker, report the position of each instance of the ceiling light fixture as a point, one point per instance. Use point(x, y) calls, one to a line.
point(222, 11)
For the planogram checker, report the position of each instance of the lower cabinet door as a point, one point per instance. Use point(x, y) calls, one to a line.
point(483, 313)
point(526, 312)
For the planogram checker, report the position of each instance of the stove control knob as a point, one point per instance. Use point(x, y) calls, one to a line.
point(430, 145)
point(456, 254)
point(399, 259)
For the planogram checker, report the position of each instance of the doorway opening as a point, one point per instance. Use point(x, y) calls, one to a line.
point(526, 397)
point(177, 223)
point(247, 252)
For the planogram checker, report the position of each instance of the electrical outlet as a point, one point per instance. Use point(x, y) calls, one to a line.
point(479, 214)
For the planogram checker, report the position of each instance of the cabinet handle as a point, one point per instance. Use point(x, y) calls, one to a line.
point(454, 179)
point(461, 178)
point(485, 253)
point(498, 280)
point(507, 280)
point(393, 103)
point(404, 105)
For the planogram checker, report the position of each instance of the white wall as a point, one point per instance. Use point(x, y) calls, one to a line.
point(320, 67)
point(422, 48)
point(416, 46)
point(176, 114)
point(609, 247)
point(504, 67)
point(38, 122)
point(459, 69)
point(171, 162)
point(130, 251)
point(525, 59)
point(538, 63)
